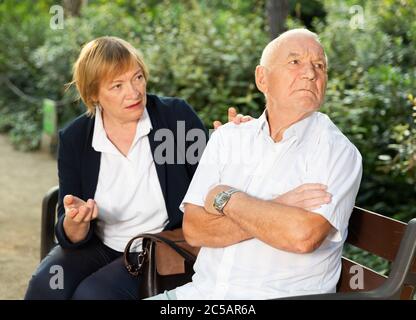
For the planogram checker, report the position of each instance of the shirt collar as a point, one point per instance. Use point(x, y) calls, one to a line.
point(143, 127)
point(100, 141)
point(298, 129)
point(263, 123)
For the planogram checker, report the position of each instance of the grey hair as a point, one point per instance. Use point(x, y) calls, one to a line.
point(275, 43)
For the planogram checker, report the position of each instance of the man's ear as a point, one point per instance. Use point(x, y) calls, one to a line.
point(261, 79)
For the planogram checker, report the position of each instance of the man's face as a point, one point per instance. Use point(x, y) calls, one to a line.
point(294, 78)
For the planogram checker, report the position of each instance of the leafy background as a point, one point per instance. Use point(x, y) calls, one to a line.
point(206, 52)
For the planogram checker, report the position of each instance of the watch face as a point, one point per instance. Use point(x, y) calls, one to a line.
point(223, 198)
point(220, 200)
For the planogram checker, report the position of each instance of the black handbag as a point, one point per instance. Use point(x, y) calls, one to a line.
point(165, 262)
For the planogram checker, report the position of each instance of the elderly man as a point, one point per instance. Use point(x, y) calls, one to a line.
point(254, 247)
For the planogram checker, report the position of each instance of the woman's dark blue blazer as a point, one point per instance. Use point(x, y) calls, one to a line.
point(79, 163)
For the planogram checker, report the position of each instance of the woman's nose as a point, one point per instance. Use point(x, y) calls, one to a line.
point(133, 90)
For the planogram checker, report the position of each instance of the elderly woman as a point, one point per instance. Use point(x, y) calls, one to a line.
point(114, 180)
point(111, 185)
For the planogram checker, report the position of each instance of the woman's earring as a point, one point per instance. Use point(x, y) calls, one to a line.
point(98, 106)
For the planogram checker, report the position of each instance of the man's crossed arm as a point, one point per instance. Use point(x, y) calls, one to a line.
point(286, 223)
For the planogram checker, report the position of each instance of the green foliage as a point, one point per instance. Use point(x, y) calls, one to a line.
point(371, 76)
point(205, 57)
point(367, 259)
point(22, 29)
point(25, 134)
point(197, 52)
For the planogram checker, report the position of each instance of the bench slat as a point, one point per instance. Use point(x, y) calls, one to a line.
point(372, 279)
point(375, 233)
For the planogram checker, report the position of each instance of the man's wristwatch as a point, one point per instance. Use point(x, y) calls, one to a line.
point(222, 198)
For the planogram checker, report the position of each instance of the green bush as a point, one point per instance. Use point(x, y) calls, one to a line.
point(26, 132)
point(207, 58)
point(194, 51)
point(22, 29)
point(370, 79)
point(372, 73)
point(367, 259)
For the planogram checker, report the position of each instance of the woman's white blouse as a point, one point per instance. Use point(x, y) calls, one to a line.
point(128, 194)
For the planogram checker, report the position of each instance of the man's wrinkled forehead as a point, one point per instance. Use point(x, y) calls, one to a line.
point(290, 43)
point(298, 46)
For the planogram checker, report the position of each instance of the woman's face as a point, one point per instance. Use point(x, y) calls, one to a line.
point(123, 98)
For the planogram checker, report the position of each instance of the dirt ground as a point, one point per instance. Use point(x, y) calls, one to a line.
point(24, 179)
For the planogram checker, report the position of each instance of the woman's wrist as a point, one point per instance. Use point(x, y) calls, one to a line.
point(75, 232)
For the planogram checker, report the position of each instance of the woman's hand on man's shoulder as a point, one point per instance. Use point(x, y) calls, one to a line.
point(233, 116)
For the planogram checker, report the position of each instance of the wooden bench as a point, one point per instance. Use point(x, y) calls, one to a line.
point(385, 237)
point(382, 236)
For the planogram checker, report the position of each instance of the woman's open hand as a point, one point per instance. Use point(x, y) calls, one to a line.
point(78, 210)
point(78, 215)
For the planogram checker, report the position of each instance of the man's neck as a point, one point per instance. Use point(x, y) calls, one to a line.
point(279, 121)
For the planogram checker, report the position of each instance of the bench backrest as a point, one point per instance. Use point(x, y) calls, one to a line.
point(383, 237)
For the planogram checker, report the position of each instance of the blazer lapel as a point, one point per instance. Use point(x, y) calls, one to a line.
point(91, 165)
point(157, 123)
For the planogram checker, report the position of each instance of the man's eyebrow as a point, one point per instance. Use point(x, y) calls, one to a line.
point(321, 60)
point(293, 55)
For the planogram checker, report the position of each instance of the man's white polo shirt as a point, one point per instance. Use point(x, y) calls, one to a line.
point(245, 157)
point(128, 194)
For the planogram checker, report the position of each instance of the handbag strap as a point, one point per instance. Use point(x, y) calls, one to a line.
point(135, 269)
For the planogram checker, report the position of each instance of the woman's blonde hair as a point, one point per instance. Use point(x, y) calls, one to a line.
point(102, 59)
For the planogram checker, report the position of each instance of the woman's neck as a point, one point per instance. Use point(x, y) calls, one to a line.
point(121, 134)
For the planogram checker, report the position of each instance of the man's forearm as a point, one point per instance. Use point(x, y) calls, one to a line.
point(204, 229)
point(284, 227)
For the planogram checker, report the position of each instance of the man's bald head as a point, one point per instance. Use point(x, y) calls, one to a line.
point(292, 74)
point(272, 47)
